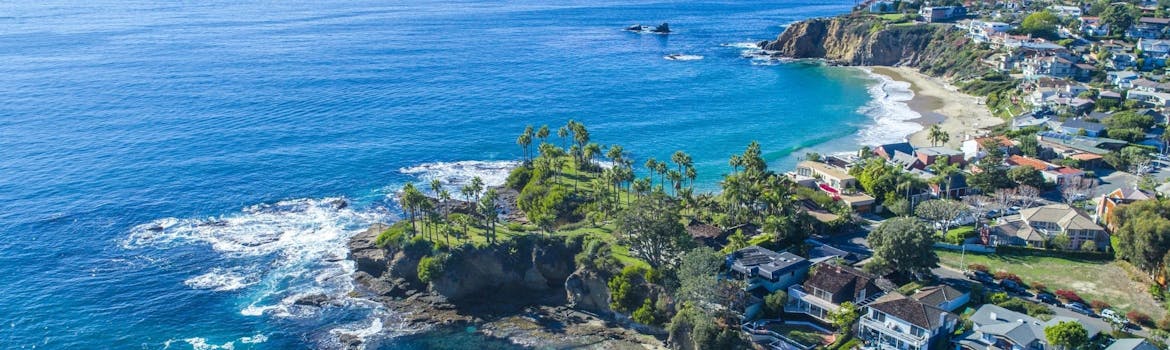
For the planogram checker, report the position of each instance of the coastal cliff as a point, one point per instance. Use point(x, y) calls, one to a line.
point(938, 50)
point(528, 290)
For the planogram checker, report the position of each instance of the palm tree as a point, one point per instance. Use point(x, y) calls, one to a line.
point(615, 154)
point(681, 160)
point(467, 192)
point(736, 161)
point(661, 169)
point(563, 134)
point(476, 186)
point(525, 140)
point(542, 134)
point(651, 165)
point(676, 179)
point(1165, 141)
point(409, 202)
point(937, 135)
point(944, 171)
point(491, 213)
point(591, 152)
point(445, 197)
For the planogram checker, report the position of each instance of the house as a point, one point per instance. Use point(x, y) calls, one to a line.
point(1051, 172)
point(763, 268)
point(983, 31)
point(930, 155)
point(1047, 66)
point(1030, 119)
point(1092, 26)
point(1071, 144)
point(1154, 99)
point(1147, 28)
point(1112, 200)
point(973, 149)
point(1065, 11)
point(895, 321)
point(1150, 86)
point(1036, 226)
point(829, 287)
point(1154, 52)
point(907, 161)
point(1122, 79)
point(943, 297)
point(1131, 344)
point(1075, 127)
point(1087, 160)
point(835, 177)
point(819, 251)
point(882, 7)
point(932, 14)
point(887, 151)
point(952, 187)
point(994, 327)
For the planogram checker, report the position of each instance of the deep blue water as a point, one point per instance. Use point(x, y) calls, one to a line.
point(166, 168)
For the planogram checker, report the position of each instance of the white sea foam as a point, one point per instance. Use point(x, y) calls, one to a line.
point(456, 174)
point(256, 339)
point(891, 115)
point(681, 57)
point(221, 280)
point(201, 344)
point(275, 255)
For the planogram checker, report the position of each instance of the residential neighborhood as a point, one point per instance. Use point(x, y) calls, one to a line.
point(1085, 99)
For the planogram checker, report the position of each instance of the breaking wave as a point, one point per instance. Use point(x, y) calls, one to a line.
point(456, 174)
point(892, 117)
point(286, 260)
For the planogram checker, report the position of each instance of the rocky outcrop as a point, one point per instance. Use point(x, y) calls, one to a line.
point(492, 271)
point(858, 41)
point(587, 290)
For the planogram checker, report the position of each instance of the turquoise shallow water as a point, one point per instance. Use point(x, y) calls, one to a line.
point(168, 170)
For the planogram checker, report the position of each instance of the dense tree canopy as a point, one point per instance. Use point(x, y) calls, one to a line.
point(1040, 24)
point(652, 228)
point(1067, 335)
point(902, 245)
point(1143, 233)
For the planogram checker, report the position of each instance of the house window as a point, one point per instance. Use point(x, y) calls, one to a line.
point(880, 317)
point(918, 332)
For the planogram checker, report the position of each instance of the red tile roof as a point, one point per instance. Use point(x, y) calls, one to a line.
point(1030, 162)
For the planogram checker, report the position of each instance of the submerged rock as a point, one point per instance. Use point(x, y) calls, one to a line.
point(636, 28)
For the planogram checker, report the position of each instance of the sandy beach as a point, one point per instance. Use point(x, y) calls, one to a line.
point(957, 113)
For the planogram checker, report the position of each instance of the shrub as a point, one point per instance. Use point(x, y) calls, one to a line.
point(628, 289)
point(645, 313)
point(1098, 305)
point(1068, 295)
point(774, 303)
point(1140, 318)
point(395, 235)
point(518, 178)
point(977, 267)
point(1039, 287)
point(1164, 323)
point(998, 298)
point(431, 268)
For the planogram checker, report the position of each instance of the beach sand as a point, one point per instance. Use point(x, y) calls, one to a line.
point(957, 113)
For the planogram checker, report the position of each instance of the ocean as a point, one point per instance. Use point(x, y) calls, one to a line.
point(171, 172)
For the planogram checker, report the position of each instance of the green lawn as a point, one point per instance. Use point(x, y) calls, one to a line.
point(1108, 281)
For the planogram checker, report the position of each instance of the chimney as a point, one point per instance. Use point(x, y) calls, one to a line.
point(993, 316)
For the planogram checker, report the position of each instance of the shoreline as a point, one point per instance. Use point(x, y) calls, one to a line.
point(937, 102)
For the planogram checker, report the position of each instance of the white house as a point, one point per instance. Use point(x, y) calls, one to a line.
point(895, 321)
point(1065, 11)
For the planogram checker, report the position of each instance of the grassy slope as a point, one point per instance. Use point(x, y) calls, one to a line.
point(1092, 280)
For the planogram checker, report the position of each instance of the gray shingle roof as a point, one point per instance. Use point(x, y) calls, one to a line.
point(757, 261)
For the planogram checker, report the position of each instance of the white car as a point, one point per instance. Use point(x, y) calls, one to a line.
point(1113, 316)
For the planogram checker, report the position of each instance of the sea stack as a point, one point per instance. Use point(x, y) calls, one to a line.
point(662, 28)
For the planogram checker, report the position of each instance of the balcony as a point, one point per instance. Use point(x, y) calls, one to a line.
point(877, 333)
point(799, 302)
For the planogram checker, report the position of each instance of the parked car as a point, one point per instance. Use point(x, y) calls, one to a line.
point(1080, 309)
point(1113, 316)
point(1012, 286)
point(1047, 298)
point(1012, 210)
point(980, 276)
